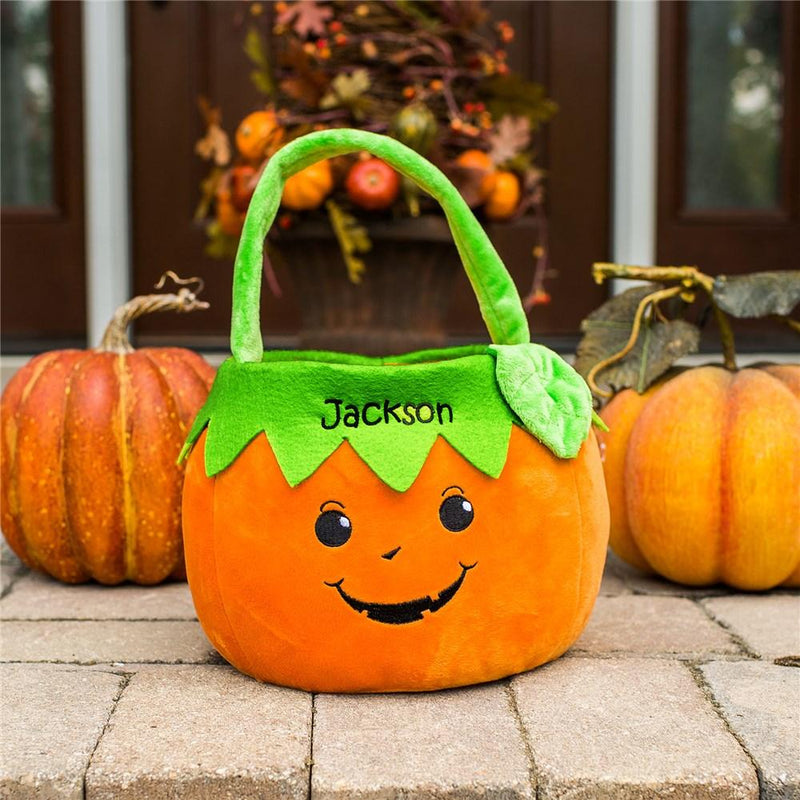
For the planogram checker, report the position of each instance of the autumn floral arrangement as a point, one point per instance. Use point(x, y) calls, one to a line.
point(434, 75)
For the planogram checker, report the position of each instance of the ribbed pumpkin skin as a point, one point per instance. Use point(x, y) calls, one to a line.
point(703, 476)
point(89, 485)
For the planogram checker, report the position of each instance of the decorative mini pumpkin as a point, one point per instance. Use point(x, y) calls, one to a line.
point(90, 486)
point(307, 188)
point(388, 524)
point(504, 196)
point(703, 475)
point(259, 134)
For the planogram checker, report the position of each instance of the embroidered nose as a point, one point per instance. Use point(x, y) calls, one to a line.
point(391, 554)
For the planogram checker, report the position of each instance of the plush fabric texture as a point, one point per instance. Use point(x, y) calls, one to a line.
point(405, 523)
point(267, 589)
point(497, 296)
point(392, 410)
point(552, 400)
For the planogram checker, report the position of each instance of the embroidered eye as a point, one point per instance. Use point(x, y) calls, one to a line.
point(333, 528)
point(456, 513)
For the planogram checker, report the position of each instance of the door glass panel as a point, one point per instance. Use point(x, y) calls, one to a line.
point(734, 104)
point(26, 89)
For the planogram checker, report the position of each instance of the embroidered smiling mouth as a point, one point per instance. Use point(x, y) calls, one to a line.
point(408, 611)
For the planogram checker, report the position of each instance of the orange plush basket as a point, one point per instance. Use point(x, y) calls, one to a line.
point(404, 523)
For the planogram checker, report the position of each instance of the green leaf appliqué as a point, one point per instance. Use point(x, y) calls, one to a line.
point(552, 400)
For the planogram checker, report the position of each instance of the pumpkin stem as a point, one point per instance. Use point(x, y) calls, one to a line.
point(725, 337)
point(115, 339)
point(689, 278)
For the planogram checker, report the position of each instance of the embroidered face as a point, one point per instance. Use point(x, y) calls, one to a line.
point(342, 583)
point(335, 529)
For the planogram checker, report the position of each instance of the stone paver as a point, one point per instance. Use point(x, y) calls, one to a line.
point(613, 582)
point(11, 568)
point(761, 703)
point(768, 624)
point(652, 626)
point(457, 744)
point(52, 717)
point(622, 717)
point(104, 641)
point(628, 729)
point(652, 584)
point(203, 732)
point(37, 596)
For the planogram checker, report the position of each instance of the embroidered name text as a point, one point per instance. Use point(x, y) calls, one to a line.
point(351, 416)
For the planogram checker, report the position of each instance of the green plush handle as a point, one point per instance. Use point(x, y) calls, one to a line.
point(497, 296)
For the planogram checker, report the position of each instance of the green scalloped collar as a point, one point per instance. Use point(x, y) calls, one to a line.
point(392, 409)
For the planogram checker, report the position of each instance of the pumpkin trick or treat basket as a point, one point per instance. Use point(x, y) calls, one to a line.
point(404, 523)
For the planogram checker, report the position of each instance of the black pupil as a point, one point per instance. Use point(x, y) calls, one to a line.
point(456, 513)
point(333, 528)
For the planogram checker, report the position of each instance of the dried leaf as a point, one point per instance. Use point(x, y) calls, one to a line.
point(306, 83)
point(660, 344)
point(306, 17)
point(255, 48)
point(346, 89)
point(220, 244)
point(759, 294)
point(208, 188)
point(215, 145)
point(513, 95)
point(353, 238)
point(510, 137)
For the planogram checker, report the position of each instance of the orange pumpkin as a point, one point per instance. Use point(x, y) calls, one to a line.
point(480, 161)
point(504, 198)
point(89, 484)
point(258, 135)
point(308, 188)
point(703, 476)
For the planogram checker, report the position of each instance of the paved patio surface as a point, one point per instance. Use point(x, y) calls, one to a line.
point(670, 692)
